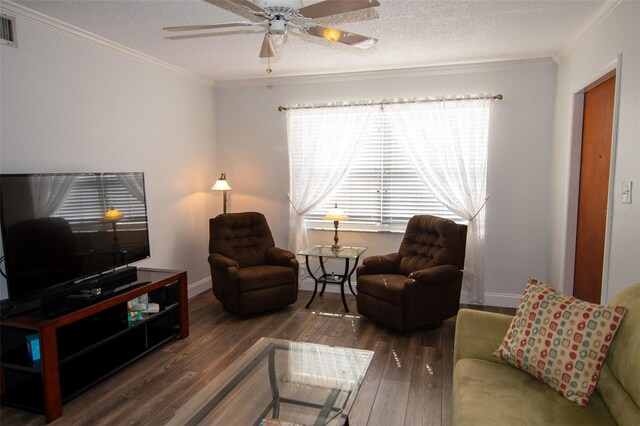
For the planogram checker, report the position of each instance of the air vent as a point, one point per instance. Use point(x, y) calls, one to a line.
point(8, 30)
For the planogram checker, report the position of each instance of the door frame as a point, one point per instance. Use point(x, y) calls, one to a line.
point(611, 69)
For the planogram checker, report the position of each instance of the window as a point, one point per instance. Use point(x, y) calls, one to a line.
point(369, 158)
point(382, 190)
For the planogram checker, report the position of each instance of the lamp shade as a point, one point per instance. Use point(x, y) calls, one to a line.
point(221, 184)
point(335, 214)
point(112, 215)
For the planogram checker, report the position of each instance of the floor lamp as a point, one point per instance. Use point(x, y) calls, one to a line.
point(222, 185)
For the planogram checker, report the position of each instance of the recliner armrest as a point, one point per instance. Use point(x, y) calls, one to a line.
point(219, 261)
point(279, 256)
point(478, 334)
point(441, 274)
point(386, 264)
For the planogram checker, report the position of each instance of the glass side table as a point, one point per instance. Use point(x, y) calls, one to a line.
point(323, 253)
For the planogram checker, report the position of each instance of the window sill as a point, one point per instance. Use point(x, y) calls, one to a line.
point(363, 228)
point(317, 227)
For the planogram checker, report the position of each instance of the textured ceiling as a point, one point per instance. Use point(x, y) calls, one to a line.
point(411, 33)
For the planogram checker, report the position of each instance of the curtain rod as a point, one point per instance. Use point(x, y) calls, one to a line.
point(391, 101)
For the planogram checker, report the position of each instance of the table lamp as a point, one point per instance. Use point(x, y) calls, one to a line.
point(335, 214)
point(113, 215)
point(222, 185)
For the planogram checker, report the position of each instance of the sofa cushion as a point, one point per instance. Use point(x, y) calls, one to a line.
point(264, 276)
point(243, 237)
point(623, 409)
point(429, 241)
point(489, 393)
point(387, 287)
point(560, 340)
point(624, 354)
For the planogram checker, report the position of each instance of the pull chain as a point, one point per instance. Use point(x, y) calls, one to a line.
point(269, 53)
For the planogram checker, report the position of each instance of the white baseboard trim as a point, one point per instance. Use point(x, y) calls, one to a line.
point(198, 287)
point(503, 300)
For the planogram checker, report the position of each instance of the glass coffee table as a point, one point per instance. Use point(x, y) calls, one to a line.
point(327, 252)
point(278, 382)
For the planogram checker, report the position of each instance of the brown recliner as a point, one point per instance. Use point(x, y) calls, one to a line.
point(248, 273)
point(420, 285)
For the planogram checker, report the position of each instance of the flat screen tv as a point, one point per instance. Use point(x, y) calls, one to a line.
point(61, 228)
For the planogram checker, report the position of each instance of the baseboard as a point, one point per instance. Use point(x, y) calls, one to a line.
point(503, 300)
point(199, 287)
point(305, 284)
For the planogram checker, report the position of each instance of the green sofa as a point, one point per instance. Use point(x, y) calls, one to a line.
point(487, 391)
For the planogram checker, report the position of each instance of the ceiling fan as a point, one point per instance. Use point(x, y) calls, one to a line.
point(277, 16)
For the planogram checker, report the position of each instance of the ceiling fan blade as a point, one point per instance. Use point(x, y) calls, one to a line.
point(334, 34)
point(211, 27)
point(271, 45)
point(216, 34)
point(236, 9)
point(334, 7)
point(246, 4)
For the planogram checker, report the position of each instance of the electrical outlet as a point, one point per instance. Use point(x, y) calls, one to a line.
point(626, 191)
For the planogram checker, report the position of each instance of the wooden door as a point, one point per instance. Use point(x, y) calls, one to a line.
point(594, 190)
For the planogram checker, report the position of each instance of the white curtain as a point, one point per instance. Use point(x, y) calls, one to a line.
point(49, 193)
point(322, 146)
point(134, 182)
point(447, 142)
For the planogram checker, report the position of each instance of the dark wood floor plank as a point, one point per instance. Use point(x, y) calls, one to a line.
point(446, 406)
point(361, 410)
point(424, 406)
point(446, 333)
point(400, 361)
point(408, 381)
point(389, 408)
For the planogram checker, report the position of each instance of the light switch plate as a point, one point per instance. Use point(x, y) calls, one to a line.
point(626, 191)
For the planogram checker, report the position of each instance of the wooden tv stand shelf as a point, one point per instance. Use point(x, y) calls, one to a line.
point(87, 341)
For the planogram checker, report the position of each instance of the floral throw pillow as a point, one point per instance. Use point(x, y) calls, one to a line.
point(560, 340)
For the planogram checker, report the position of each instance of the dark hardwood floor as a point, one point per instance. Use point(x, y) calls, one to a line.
point(408, 381)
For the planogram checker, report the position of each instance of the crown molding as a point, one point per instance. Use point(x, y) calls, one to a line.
point(585, 29)
point(53, 24)
point(457, 68)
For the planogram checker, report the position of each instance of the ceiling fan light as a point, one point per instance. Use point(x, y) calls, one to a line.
point(332, 34)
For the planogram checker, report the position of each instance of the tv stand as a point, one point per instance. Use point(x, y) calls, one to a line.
point(87, 342)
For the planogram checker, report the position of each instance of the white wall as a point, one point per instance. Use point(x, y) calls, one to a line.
point(69, 106)
point(253, 152)
point(619, 33)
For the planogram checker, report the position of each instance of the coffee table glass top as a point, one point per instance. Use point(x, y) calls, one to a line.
point(278, 382)
point(326, 251)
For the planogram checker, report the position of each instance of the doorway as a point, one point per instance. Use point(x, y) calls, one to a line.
point(593, 197)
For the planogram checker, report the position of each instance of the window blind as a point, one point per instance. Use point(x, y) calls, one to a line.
point(382, 188)
point(92, 195)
